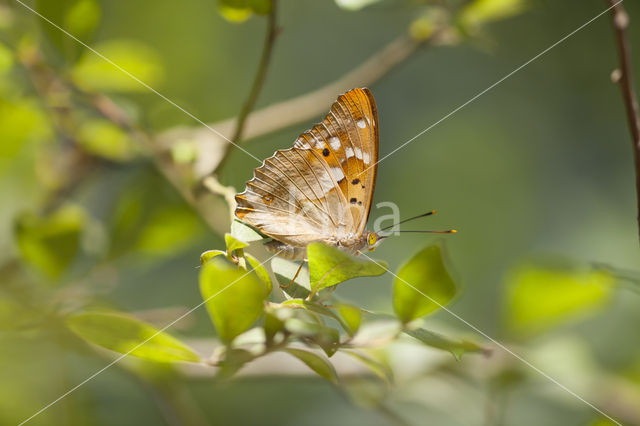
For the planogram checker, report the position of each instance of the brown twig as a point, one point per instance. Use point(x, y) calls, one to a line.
point(108, 109)
point(624, 77)
point(267, 50)
point(73, 164)
point(286, 113)
point(310, 105)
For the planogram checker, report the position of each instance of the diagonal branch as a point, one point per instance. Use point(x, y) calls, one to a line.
point(624, 77)
point(291, 111)
point(310, 105)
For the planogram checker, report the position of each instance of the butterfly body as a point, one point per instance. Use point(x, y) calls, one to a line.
point(321, 189)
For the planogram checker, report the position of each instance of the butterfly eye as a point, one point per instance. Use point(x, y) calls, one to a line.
point(372, 239)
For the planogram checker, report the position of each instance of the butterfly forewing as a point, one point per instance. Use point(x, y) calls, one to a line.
point(347, 138)
point(322, 188)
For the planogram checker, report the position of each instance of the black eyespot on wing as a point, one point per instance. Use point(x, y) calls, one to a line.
point(359, 203)
point(325, 152)
point(353, 201)
point(355, 181)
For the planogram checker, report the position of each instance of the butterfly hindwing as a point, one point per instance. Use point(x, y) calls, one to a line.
point(295, 198)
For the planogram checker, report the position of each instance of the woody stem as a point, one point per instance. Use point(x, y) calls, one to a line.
point(269, 42)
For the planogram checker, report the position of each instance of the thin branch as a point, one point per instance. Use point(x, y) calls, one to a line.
point(310, 105)
point(267, 50)
point(624, 77)
point(73, 164)
point(226, 192)
point(302, 108)
point(208, 210)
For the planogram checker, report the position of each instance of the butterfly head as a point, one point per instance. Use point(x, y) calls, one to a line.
point(373, 240)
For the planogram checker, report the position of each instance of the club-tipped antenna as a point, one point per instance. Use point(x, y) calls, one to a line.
point(448, 231)
point(429, 213)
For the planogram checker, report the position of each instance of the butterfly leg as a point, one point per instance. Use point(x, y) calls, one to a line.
point(296, 275)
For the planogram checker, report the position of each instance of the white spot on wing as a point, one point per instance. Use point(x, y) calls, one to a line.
point(367, 158)
point(335, 143)
point(337, 173)
point(358, 153)
point(361, 124)
point(349, 152)
point(320, 145)
point(326, 183)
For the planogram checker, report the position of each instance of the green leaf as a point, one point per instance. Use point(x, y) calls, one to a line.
point(184, 151)
point(233, 296)
point(378, 331)
point(233, 243)
point(21, 121)
point(241, 10)
point(234, 14)
point(285, 270)
point(82, 18)
point(603, 422)
point(150, 218)
point(104, 139)
point(52, 242)
point(380, 369)
point(326, 337)
point(243, 232)
point(422, 285)
point(6, 58)
point(456, 347)
point(541, 297)
point(167, 230)
point(210, 254)
point(316, 307)
point(78, 17)
point(260, 271)
point(311, 306)
point(94, 73)
point(315, 362)
point(329, 266)
point(351, 316)
point(272, 325)
point(480, 12)
point(422, 28)
point(234, 359)
point(125, 334)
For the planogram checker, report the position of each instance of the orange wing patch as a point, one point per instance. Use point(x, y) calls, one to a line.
point(347, 139)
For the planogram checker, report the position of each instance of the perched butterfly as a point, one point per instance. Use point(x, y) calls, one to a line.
point(321, 189)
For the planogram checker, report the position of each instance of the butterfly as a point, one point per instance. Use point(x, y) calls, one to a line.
point(321, 189)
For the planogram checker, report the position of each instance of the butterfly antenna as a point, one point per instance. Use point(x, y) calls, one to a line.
point(429, 213)
point(448, 231)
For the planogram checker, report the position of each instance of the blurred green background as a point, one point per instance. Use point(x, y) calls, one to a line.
point(538, 171)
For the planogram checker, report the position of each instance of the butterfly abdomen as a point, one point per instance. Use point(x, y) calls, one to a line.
point(286, 251)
